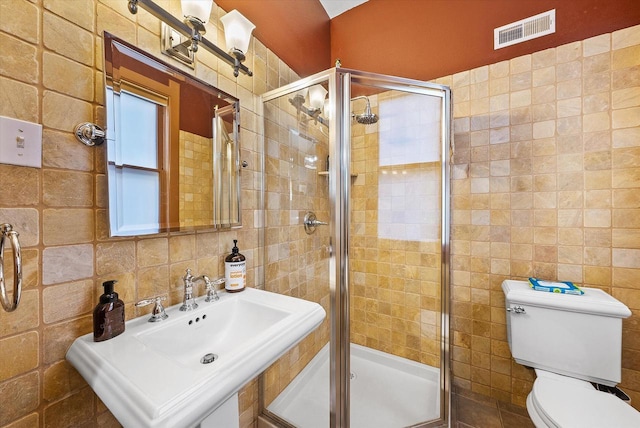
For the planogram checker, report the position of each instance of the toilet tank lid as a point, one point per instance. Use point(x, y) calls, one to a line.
point(593, 301)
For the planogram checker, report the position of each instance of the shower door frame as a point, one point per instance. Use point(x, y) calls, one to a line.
point(339, 82)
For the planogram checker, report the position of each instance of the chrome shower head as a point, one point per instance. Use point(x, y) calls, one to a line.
point(368, 117)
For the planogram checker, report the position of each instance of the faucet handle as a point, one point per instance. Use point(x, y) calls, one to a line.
point(212, 292)
point(158, 313)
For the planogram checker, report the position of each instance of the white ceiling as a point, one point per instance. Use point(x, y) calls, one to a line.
point(336, 7)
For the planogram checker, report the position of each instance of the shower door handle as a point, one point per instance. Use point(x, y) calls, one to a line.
point(311, 222)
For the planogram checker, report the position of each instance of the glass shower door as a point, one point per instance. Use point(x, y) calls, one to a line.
point(296, 184)
point(396, 255)
point(372, 163)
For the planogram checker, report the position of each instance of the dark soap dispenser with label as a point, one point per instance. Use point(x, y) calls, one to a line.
point(108, 316)
point(235, 270)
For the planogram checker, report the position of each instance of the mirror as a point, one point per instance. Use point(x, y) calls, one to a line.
point(172, 146)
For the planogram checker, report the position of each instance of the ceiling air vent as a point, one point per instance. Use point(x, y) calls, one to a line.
point(525, 29)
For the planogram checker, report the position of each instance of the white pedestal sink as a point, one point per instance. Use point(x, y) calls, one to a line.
point(152, 375)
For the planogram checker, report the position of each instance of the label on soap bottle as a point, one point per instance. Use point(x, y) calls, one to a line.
point(235, 275)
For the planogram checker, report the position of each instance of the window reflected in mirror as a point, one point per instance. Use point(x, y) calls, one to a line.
point(172, 147)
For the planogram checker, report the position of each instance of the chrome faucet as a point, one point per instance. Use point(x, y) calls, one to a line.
point(157, 314)
point(189, 302)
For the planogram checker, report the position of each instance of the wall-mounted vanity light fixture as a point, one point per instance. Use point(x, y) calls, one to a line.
point(196, 12)
point(317, 95)
point(237, 35)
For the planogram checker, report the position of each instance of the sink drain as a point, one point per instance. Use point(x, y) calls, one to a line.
point(208, 358)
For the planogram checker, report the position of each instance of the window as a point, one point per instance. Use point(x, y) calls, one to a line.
point(409, 167)
point(134, 161)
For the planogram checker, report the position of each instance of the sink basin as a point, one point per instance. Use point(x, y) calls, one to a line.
point(221, 329)
point(178, 371)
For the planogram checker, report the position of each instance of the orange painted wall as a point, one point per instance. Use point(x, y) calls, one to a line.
point(425, 39)
point(421, 39)
point(297, 31)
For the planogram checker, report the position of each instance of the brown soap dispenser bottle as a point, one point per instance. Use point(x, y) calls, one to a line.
point(235, 270)
point(108, 316)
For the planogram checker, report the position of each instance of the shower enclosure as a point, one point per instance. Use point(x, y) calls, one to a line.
point(355, 207)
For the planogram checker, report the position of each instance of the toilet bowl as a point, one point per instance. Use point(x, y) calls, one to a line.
point(558, 401)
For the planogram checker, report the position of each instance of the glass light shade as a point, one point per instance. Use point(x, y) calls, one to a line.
point(317, 94)
point(200, 9)
point(237, 31)
point(327, 108)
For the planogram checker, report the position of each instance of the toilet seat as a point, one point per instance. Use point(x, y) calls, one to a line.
point(563, 402)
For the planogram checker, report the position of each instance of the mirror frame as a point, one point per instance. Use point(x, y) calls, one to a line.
point(116, 52)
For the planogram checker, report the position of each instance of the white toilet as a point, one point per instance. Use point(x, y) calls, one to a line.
point(571, 341)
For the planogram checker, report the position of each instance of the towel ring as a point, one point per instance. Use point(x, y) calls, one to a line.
point(12, 235)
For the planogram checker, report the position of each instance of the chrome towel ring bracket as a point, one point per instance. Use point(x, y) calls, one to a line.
point(90, 134)
point(10, 234)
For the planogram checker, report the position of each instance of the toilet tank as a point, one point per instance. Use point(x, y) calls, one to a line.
point(574, 335)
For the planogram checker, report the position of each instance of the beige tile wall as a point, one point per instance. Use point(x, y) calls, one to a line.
point(546, 183)
point(50, 73)
point(196, 180)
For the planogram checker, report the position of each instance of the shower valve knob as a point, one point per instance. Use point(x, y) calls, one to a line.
point(311, 222)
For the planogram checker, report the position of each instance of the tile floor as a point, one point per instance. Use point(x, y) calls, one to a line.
point(471, 410)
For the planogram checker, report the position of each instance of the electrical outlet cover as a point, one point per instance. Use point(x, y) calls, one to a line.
point(20, 142)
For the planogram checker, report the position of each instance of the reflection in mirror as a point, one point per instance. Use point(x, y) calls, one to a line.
point(172, 147)
point(225, 160)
